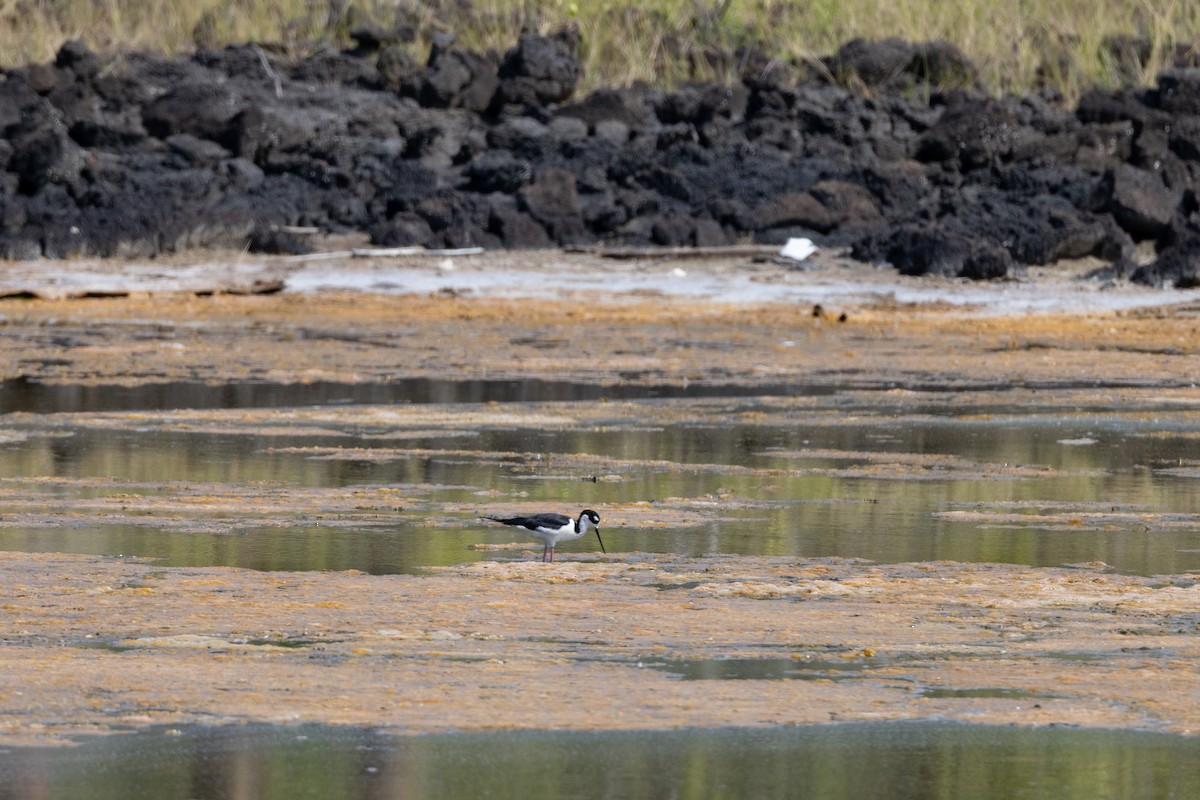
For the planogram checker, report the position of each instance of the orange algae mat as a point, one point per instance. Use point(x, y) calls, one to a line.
point(96, 644)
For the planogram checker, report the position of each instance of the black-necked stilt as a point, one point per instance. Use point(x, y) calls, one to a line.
point(550, 529)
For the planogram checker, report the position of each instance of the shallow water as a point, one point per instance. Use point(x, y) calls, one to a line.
point(824, 762)
point(806, 473)
point(37, 397)
point(849, 477)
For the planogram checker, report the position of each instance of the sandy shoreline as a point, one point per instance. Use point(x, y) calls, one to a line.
point(1059, 331)
point(101, 644)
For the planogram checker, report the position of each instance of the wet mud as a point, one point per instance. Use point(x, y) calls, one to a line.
point(631, 640)
point(638, 641)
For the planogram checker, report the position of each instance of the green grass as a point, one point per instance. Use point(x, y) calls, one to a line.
point(1017, 45)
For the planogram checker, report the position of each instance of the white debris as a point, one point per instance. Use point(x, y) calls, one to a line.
point(798, 249)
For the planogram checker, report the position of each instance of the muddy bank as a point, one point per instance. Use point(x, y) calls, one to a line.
point(554, 316)
point(890, 148)
point(641, 642)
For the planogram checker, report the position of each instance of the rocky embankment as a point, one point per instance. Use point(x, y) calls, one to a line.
point(890, 148)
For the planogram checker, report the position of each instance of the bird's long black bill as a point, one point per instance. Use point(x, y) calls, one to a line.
point(601, 541)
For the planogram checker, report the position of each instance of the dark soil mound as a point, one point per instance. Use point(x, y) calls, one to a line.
point(890, 148)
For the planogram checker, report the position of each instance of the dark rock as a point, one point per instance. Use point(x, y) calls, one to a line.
point(552, 200)
point(847, 203)
point(933, 250)
point(516, 228)
point(93, 121)
point(668, 183)
point(602, 214)
point(1179, 90)
point(620, 105)
point(1101, 146)
point(899, 184)
point(1152, 152)
point(45, 154)
point(708, 233)
point(23, 246)
point(343, 68)
point(18, 104)
point(1184, 139)
point(1139, 202)
point(197, 151)
point(988, 263)
point(441, 211)
point(540, 70)
point(63, 241)
point(408, 184)
point(368, 39)
point(441, 141)
point(680, 133)
point(470, 234)
point(201, 109)
point(498, 171)
point(1046, 229)
point(1121, 106)
point(795, 209)
point(75, 56)
point(973, 133)
point(523, 138)
point(273, 241)
point(455, 78)
point(671, 230)
point(872, 63)
point(402, 230)
point(942, 65)
point(1177, 266)
point(257, 134)
point(909, 161)
point(13, 216)
point(1034, 228)
point(612, 130)
point(241, 61)
point(239, 176)
point(899, 65)
point(568, 129)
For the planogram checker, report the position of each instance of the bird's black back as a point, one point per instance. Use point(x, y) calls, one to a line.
point(536, 522)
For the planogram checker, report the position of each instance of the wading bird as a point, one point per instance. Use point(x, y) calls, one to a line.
point(550, 529)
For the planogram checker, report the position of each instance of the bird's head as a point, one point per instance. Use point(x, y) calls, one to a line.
point(590, 517)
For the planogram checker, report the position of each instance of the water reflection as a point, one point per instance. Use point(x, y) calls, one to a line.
point(22, 394)
point(906, 760)
point(790, 484)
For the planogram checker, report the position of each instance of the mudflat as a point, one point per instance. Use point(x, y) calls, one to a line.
point(629, 640)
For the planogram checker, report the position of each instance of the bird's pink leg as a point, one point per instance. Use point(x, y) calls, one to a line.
point(551, 555)
point(545, 547)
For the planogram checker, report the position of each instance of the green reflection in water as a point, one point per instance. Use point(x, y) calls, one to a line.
point(827, 762)
point(758, 668)
point(816, 509)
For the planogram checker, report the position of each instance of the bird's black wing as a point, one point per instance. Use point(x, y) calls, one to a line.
point(536, 522)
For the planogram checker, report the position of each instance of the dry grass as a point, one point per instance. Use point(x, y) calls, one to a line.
point(1017, 45)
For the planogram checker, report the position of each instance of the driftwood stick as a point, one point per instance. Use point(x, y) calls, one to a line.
point(679, 252)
